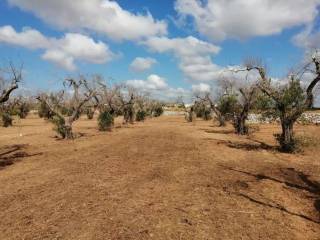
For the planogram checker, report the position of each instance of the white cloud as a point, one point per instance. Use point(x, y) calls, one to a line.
point(140, 64)
point(28, 38)
point(60, 59)
point(101, 16)
point(308, 38)
point(196, 63)
point(153, 82)
point(63, 51)
point(172, 94)
point(241, 19)
point(194, 56)
point(201, 88)
point(159, 88)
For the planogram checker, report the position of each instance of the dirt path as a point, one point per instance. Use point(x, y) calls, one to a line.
point(162, 179)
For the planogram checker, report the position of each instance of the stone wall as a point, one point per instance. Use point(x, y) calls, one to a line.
point(306, 118)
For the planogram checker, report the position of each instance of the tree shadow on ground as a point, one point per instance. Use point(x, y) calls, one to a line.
point(249, 146)
point(293, 179)
point(11, 154)
point(222, 131)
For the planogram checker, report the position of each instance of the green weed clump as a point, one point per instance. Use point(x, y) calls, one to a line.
point(105, 121)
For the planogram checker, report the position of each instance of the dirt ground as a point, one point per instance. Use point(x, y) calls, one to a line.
point(161, 179)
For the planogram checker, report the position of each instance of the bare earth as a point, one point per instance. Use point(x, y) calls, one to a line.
point(161, 179)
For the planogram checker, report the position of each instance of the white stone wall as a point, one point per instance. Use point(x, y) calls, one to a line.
point(306, 118)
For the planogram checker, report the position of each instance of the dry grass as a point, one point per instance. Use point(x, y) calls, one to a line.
point(162, 179)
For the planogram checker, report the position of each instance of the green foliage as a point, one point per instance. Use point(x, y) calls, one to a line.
point(290, 101)
point(227, 105)
point(286, 102)
point(68, 111)
point(23, 110)
point(141, 115)
point(59, 125)
point(105, 121)
point(64, 110)
point(202, 111)
point(44, 111)
point(6, 119)
point(293, 96)
point(288, 147)
point(157, 110)
point(304, 120)
point(128, 113)
point(263, 103)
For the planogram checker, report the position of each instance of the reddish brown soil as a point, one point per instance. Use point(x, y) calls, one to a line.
point(161, 179)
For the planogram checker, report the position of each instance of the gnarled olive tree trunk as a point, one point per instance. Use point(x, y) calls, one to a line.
point(240, 124)
point(221, 119)
point(287, 142)
point(64, 123)
point(289, 113)
point(240, 118)
point(16, 75)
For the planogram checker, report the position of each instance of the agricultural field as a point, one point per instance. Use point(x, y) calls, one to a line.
point(164, 178)
point(160, 120)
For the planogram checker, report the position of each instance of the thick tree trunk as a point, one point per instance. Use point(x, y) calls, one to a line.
point(287, 142)
point(68, 131)
point(128, 115)
point(6, 93)
point(240, 125)
point(68, 128)
point(221, 120)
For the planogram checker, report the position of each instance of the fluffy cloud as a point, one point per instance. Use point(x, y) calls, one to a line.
point(308, 38)
point(140, 64)
point(196, 64)
point(62, 52)
point(240, 19)
point(159, 88)
point(28, 38)
point(153, 82)
point(194, 56)
point(201, 88)
point(101, 16)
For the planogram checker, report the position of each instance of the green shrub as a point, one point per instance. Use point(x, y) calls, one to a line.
point(65, 111)
point(105, 121)
point(44, 111)
point(157, 111)
point(6, 119)
point(288, 147)
point(141, 115)
point(59, 125)
point(227, 106)
point(128, 114)
point(23, 110)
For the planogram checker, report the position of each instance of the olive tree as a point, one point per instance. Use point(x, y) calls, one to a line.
point(244, 104)
point(109, 105)
point(207, 99)
point(289, 100)
point(10, 77)
point(127, 99)
point(81, 94)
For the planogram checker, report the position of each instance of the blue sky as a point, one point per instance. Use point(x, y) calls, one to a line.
point(237, 35)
